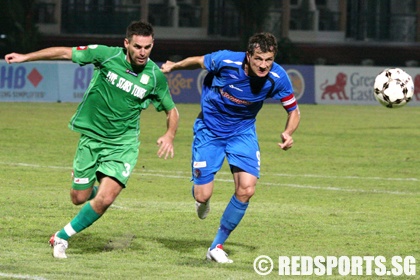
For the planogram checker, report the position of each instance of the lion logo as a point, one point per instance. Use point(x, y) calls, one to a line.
point(336, 89)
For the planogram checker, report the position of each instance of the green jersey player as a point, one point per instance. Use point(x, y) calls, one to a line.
point(124, 83)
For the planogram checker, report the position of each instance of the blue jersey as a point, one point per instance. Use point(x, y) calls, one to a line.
point(231, 99)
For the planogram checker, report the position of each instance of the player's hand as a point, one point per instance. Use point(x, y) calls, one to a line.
point(167, 66)
point(166, 147)
point(287, 141)
point(14, 58)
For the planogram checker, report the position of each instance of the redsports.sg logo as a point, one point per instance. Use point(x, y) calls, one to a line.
point(332, 265)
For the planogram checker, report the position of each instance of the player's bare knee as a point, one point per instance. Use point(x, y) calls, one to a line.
point(78, 197)
point(78, 200)
point(245, 192)
point(202, 195)
point(250, 193)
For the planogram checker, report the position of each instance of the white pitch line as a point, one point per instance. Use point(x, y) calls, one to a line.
point(300, 175)
point(294, 185)
point(262, 174)
point(345, 177)
point(21, 276)
point(34, 165)
point(336, 189)
point(186, 175)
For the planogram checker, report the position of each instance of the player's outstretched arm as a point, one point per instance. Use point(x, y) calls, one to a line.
point(189, 63)
point(292, 123)
point(166, 142)
point(53, 53)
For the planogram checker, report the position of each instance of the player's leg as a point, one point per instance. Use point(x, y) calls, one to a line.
point(233, 214)
point(244, 158)
point(113, 173)
point(108, 191)
point(84, 177)
point(85, 164)
point(202, 195)
point(81, 196)
point(244, 184)
point(207, 158)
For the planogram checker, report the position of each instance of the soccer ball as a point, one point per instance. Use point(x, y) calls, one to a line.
point(393, 88)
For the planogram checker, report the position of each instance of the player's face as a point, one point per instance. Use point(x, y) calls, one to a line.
point(260, 63)
point(138, 49)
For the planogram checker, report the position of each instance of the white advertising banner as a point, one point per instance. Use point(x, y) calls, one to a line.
point(354, 84)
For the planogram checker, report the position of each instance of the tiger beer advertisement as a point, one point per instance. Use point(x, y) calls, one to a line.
point(354, 84)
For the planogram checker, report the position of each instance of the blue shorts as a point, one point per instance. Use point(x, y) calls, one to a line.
point(209, 152)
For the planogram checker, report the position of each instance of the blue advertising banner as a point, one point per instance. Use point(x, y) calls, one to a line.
point(186, 85)
point(74, 80)
point(29, 82)
point(64, 81)
point(303, 81)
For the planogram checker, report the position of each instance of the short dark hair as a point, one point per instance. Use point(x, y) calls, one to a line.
point(267, 42)
point(140, 28)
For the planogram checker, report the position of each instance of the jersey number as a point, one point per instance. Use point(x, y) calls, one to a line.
point(126, 173)
point(258, 157)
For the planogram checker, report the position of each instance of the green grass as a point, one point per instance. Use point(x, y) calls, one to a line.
point(348, 187)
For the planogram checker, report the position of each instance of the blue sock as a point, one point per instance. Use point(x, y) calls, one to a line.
point(233, 214)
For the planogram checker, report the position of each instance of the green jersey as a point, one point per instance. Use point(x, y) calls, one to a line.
point(111, 106)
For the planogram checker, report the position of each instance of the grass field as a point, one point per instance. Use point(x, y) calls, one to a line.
point(349, 187)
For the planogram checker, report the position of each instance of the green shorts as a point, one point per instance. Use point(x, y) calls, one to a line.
point(92, 156)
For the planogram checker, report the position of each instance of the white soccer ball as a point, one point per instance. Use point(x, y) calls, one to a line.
point(393, 87)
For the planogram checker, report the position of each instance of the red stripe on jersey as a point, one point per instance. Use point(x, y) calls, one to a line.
point(289, 102)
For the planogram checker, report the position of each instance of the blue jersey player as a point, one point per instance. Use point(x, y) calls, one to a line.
point(233, 93)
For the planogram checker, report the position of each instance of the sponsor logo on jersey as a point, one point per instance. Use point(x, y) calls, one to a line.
point(232, 86)
point(81, 180)
point(131, 72)
point(93, 47)
point(234, 99)
point(81, 48)
point(138, 91)
point(199, 164)
point(126, 85)
point(144, 79)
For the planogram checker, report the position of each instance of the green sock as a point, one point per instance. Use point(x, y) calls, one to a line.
point(86, 217)
point(94, 192)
